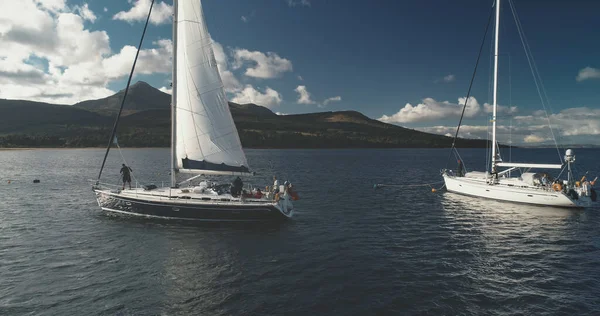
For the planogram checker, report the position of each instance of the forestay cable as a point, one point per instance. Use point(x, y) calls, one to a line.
point(470, 86)
point(114, 130)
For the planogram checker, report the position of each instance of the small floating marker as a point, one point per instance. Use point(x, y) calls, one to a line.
point(433, 190)
point(8, 181)
point(36, 181)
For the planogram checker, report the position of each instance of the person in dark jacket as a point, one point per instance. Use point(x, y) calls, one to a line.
point(460, 168)
point(126, 174)
point(236, 187)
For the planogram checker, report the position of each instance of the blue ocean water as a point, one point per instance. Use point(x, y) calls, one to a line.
point(349, 250)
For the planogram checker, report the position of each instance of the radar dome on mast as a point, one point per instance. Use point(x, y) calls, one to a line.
point(569, 155)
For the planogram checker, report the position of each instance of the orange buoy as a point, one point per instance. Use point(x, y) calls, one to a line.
point(433, 190)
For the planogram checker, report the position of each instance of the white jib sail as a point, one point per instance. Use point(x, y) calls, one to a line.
point(206, 136)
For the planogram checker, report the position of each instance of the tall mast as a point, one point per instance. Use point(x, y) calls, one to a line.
point(495, 86)
point(174, 100)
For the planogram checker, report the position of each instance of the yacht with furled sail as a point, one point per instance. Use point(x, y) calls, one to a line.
point(516, 181)
point(204, 142)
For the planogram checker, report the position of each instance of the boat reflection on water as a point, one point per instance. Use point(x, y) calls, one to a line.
point(501, 254)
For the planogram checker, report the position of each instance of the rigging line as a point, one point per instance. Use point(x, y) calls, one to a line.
point(470, 85)
point(114, 130)
point(534, 73)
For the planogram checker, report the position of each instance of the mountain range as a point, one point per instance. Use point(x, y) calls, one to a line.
point(145, 122)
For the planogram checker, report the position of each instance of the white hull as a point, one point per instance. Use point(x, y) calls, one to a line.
point(512, 190)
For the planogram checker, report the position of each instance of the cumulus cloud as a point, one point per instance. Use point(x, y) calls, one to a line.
point(488, 108)
point(54, 58)
point(588, 73)
point(303, 95)
point(262, 65)
point(231, 83)
point(269, 98)
point(569, 122)
point(332, 99)
point(166, 90)
point(85, 12)
point(301, 3)
point(573, 125)
point(431, 110)
point(161, 12)
point(534, 139)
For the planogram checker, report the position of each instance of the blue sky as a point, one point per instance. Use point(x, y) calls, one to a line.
point(371, 56)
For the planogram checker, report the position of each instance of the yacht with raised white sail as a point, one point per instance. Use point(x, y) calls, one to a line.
point(204, 142)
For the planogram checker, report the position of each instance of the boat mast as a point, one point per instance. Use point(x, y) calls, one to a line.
point(174, 100)
point(495, 87)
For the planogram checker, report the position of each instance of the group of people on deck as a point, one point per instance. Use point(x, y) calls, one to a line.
point(237, 186)
point(237, 189)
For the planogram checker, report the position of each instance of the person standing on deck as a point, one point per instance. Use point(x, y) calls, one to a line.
point(126, 174)
point(275, 184)
point(460, 169)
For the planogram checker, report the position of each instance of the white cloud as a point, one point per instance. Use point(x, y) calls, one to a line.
point(105, 9)
point(166, 90)
point(247, 18)
point(54, 58)
point(85, 12)
point(161, 12)
point(302, 3)
point(588, 73)
point(230, 82)
point(303, 95)
point(152, 60)
point(300, 78)
point(332, 99)
point(431, 110)
point(488, 108)
point(51, 5)
point(449, 78)
point(534, 139)
point(270, 98)
point(265, 66)
point(569, 122)
point(570, 125)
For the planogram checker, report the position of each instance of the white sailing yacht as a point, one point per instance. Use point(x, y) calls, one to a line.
point(204, 142)
point(537, 188)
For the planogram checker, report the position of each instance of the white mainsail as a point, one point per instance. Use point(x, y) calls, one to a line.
point(206, 137)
